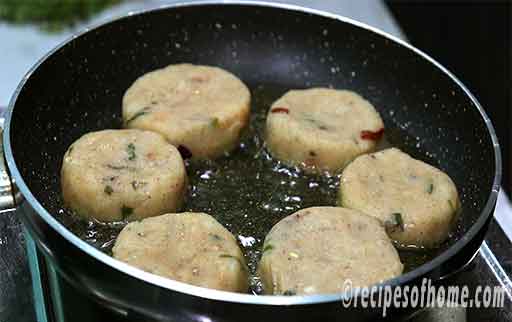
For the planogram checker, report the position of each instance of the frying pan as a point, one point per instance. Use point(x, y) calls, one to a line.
point(78, 88)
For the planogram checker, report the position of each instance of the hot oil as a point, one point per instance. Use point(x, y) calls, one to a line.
point(249, 192)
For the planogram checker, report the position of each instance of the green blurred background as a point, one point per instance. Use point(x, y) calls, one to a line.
point(51, 15)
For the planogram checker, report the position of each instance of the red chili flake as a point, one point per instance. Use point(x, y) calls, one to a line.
point(184, 151)
point(280, 110)
point(371, 135)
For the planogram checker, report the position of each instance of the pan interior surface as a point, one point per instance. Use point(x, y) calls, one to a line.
point(79, 89)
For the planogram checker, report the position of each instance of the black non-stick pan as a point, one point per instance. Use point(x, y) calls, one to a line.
point(78, 88)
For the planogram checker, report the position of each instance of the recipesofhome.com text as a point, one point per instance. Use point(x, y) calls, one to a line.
point(425, 295)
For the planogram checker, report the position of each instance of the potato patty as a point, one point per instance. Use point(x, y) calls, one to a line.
point(188, 247)
point(115, 175)
point(200, 109)
point(316, 250)
point(321, 129)
point(416, 201)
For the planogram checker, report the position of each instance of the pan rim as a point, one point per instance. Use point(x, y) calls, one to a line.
point(212, 294)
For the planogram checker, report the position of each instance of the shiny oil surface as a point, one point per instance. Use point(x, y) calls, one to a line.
point(248, 191)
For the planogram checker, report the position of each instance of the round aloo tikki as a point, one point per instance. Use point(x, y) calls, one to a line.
point(316, 250)
point(115, 175)
point(199, 109)
point(322, 129)
point(417, 202)
point(188, 247)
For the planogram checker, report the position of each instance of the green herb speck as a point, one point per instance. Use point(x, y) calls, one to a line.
point(137, 184)
point(289, 293)
point(396, 223)
point(108, 190)
point(111, 178)
point(266, 248)
point(399, 220)
point(311, 120)
point(116, 167)
point(316, 123)
point(214, 122)
point(130, 149)
point(126, 211)
point(430, 188)
point(144, 111)
point(227, 256)
point(215, 236)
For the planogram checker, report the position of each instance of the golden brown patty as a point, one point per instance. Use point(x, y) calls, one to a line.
point(316, 250)
point(188, 247)
point(416, 201)
point(321, 129)
point(201, 108)
point(115, 175)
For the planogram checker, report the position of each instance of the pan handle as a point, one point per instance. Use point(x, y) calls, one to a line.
point(8, 200)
